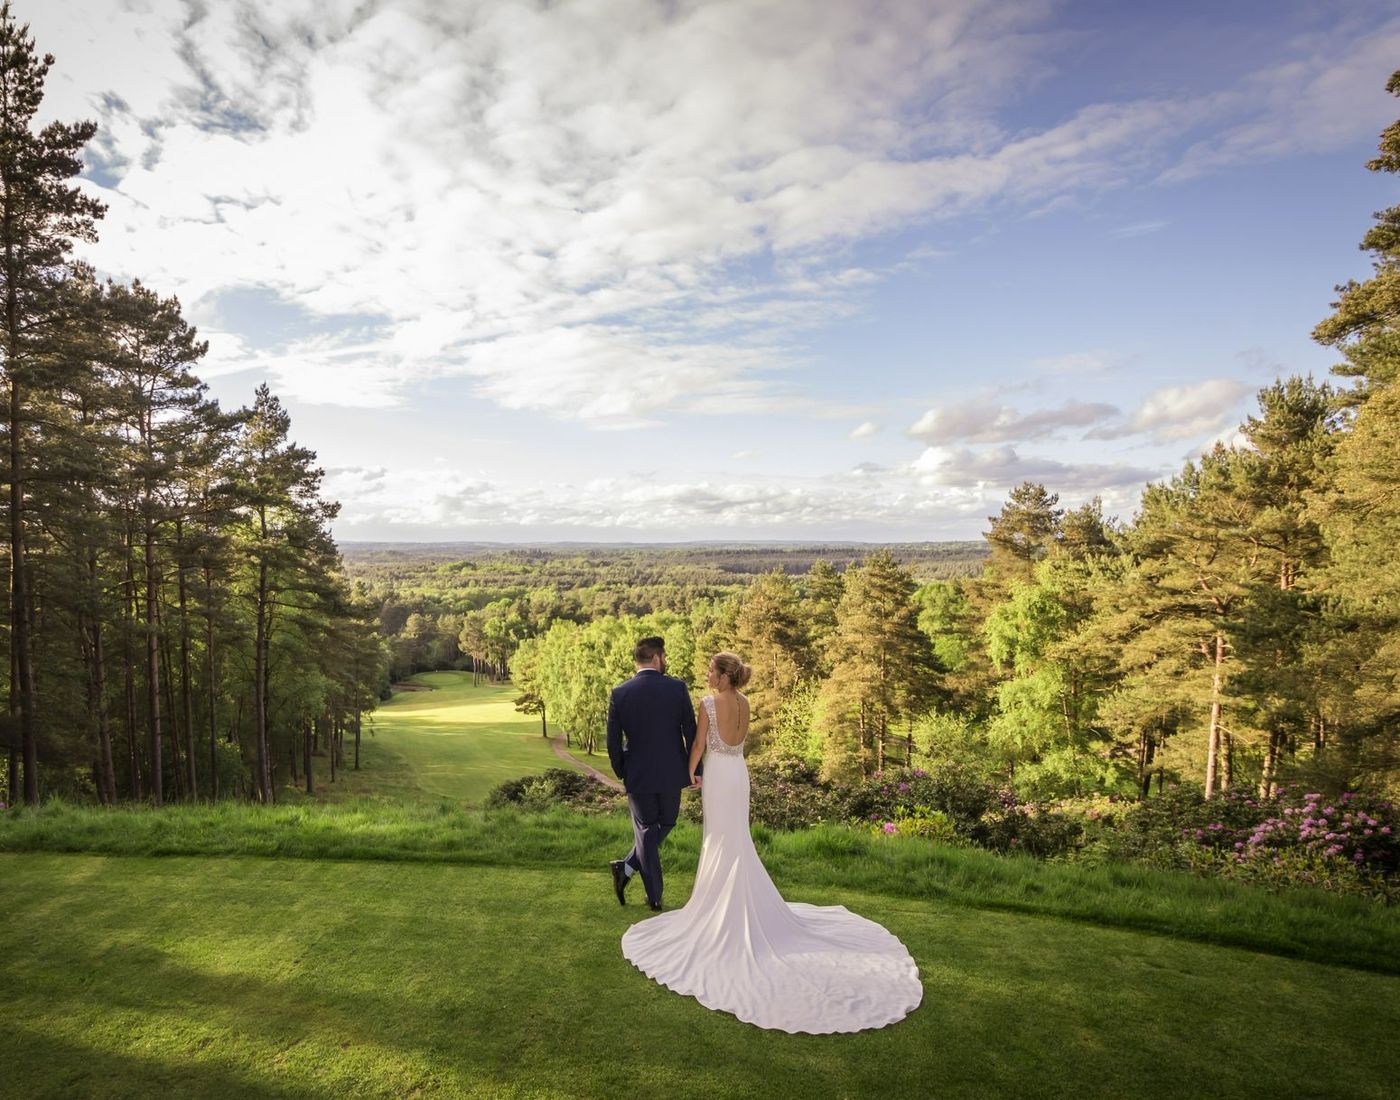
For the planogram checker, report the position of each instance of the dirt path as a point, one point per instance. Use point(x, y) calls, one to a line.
point(569, 758)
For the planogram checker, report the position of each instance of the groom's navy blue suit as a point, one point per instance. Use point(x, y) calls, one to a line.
point(651, 727)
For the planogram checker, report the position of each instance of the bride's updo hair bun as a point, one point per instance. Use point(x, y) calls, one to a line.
point(733, 668)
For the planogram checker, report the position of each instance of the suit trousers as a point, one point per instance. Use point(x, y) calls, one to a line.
point(653, 816)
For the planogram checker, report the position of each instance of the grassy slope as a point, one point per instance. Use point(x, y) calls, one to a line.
point(255, 977)
point(453, 741)
point(418, 948)
point(1305, 924)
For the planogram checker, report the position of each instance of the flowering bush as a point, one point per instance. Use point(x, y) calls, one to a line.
point(1295, 867)
point(1352, 826)
point(921, 822)
point(1348, 843)
point(1029, 827)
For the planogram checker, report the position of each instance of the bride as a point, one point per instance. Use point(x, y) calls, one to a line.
point(737, 946)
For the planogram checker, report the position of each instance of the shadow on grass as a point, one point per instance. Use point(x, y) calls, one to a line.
point(1298, 923)
point(41, 1066)
point(258, 978)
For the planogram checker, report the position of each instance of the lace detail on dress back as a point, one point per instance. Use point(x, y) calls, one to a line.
point(713, 741)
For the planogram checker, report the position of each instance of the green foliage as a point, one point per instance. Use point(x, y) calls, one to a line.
point(787, 794)
point(770, 634)
point(920, 822)
point(882, 669)
point(795, 731)
point(556, 787)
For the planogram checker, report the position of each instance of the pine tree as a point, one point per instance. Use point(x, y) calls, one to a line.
point(41, 215)
point(287, 542)
point(770, 635)
point(1358, 658)
point(883, 672)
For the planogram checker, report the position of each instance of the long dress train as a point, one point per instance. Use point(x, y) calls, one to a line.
point(738, 947)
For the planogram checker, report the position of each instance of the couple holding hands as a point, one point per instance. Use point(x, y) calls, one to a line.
point(736, 945)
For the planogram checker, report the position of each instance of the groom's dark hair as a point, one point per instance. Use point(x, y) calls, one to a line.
point(648, 648)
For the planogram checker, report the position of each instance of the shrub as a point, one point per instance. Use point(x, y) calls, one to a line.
point(788, 794)
point(1349, 843)
point(921, 822)
point(1297, 867)
point(1028, 827)
point(555, 787)
point(956, 791)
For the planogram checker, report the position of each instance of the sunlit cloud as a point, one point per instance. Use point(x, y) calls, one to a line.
point(551, 199)
point(1183, 412)
point(989, 422)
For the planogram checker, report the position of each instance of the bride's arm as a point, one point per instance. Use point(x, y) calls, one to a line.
point(743, 716)
point(697, 750)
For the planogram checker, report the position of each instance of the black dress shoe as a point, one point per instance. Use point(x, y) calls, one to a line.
point(656, 907)
point(619, 873)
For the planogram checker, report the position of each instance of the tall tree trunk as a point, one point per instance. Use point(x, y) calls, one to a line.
point(1216, 687)
point(209, 669)
point(308, 728)
point(107, 773)
point(129, 666)
point(97, 701)
point(186, 692)
point(861, 730)
point(20, 640)
point(1267, 781)
point(177, 763)
point(1149, 750)
point(16, 747)
point(264, 764)
point(153, 700)
point(357, 740)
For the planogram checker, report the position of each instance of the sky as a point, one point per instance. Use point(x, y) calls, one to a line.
point(665, 270)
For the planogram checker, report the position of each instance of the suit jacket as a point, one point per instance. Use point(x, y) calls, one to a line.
point(651, 727)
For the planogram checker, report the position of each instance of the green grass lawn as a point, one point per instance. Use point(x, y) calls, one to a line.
point(406, 943)
point(449, 740)
point(250, 977)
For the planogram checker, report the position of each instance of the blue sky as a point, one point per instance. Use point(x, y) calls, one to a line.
point(623, 269)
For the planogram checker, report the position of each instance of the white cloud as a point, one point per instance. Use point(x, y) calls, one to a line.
point(1138, 229)
point(865, 430)
point(986, 422)
point(558, 199)
point(1004, 467)
point(1183, 412)
point(450, 504)
point(1328, 96)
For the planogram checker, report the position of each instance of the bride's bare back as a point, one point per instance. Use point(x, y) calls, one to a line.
point(731, 717)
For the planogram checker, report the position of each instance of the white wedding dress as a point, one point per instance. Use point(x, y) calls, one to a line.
point(737, 946)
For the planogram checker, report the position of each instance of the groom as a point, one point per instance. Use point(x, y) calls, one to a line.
point(651, 726)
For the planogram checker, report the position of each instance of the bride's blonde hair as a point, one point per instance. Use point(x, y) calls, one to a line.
point(734, 669)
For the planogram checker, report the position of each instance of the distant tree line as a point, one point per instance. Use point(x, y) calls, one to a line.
point(439, 610)
point(179, 623)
